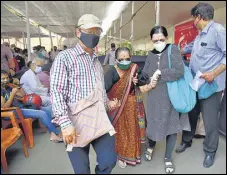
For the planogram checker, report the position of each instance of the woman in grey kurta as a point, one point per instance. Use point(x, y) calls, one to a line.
point(163, 121)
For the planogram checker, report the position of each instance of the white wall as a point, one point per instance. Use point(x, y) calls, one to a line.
point(220, 15)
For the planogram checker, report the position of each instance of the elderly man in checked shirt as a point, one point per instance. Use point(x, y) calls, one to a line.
point(73, 78)
point(209, 57)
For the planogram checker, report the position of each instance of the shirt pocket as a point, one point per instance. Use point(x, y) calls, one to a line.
point(205, 47)
point(203, 51)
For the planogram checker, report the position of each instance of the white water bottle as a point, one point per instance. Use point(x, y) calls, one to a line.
point(155, 75)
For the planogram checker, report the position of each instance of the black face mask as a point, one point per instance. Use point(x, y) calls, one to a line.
point(89, 40)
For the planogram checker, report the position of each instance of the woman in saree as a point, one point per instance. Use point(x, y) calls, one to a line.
point(129, 119)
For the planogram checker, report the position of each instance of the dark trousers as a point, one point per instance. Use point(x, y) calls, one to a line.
point(170, 144)
point(209, 108)
point(104, 147)
point(222, 117)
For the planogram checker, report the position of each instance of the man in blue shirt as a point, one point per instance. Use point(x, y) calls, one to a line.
point(209, 57)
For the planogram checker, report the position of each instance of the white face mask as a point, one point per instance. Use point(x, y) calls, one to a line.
point(38, 69)
point(159, 46)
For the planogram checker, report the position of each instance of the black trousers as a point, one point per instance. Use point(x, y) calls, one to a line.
point(170, 144)
point(222, 117)
point(209, 108)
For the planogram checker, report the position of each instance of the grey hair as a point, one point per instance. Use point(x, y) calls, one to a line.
point(205, 10)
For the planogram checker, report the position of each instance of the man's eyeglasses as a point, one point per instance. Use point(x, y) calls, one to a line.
point(94, 32)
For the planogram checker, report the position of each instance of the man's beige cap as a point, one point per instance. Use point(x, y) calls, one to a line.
point(88, 21)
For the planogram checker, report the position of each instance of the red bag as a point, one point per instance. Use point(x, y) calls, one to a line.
point(32, 101)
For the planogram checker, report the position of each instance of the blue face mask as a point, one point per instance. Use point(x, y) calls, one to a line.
point(124, 64)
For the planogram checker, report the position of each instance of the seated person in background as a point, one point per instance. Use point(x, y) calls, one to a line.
point(31, 83)
point(11, 97)
point(19, 74)
point(46, 68)
point(43, 75)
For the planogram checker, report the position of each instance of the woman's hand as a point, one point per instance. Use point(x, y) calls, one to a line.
point(135, 79)
point(15, 90)
point(154, 81)
point(16, 81)
point(150, 86)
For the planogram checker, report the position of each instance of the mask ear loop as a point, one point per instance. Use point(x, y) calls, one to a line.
point(199, 19)
point(117, 61)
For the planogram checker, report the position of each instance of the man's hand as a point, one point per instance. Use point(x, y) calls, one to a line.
point(69, 135)
point(135, 79)
point(182, 51)
point(181, 38)
point(208, 76)
point(114, 104)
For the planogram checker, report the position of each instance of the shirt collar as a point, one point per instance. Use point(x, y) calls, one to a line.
point(80, 51)
point(31, 72)
point(206, 29)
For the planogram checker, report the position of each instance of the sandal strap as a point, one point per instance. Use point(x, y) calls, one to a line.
point(169, 166)
point(168, 160)
point(149, 153)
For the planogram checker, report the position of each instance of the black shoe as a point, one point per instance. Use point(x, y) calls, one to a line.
point(183, 147)
point(208, 161)
point(197, 136)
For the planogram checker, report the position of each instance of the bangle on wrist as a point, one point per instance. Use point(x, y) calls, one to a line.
point(150, 86)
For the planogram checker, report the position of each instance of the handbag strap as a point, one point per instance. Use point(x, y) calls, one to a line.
point(169, 55)
point(125, 97)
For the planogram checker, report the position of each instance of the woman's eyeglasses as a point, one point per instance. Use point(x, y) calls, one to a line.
point(122, 59)
point(155, 41)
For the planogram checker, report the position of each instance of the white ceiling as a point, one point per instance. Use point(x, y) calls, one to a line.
point(61, 16)
point(171, 13)
point(12, 25)
point(58, 16)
